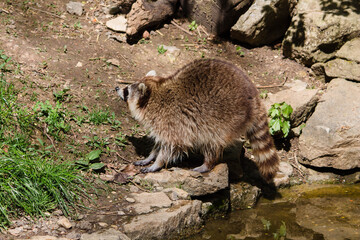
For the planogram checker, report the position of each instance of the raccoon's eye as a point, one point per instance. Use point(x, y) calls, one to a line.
point(126, 94)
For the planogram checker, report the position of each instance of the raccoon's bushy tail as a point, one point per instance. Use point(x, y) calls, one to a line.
point(263, 147)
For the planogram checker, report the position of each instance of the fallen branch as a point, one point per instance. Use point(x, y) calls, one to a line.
point(272, 86)
point(52, 142)
point(124, 81)
point(3, 10)
point(203, 29)
point(181, 28)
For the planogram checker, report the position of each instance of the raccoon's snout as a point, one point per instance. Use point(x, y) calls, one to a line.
point(123, 93)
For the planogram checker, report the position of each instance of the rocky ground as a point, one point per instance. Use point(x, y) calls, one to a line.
point(58, 49)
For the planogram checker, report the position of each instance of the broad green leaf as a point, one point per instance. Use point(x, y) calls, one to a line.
point(277, 125)
point(286, 110)
point(285, 128)
point(96, 166)
point(274, 113)
point(282, 230)
point(93, 155)
point(82, 162)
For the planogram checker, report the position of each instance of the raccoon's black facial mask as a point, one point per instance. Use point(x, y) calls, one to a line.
point(123, 93)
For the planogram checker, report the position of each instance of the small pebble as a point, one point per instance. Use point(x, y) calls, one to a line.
point(130, 200)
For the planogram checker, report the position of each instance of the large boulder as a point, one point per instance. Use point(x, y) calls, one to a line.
point(319, 28)
point(331, 137)
point(265, 22)
point(216, 16)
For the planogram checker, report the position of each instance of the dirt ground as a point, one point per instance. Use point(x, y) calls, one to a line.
point(57, 50)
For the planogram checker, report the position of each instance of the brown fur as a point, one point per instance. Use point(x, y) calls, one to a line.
point(206, 105)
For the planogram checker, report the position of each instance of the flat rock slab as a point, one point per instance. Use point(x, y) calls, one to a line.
point(195, 183)
point(149, 202)
point(331, 137)
point(109, 234)
point(118, 24)
point(302, 100)
point(167, 223)
point(340, 68)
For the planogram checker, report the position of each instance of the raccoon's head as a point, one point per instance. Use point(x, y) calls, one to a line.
point(136, 96)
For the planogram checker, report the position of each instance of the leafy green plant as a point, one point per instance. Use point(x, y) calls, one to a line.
point(54, 118)
point(89, 162)
point(77, 25)
point(280, 119)
point(266, 224)
point(193, 26)
point(161, 49)
point(264, 94)
point(99, 116)
point(62, 95)
point(239, 51)
point(97, 142)
point(281, 232)
point(120, 140)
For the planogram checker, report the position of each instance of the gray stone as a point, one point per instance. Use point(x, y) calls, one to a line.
point(74, 8)
point(215, 15)
point(319, 28)
point(195, 183)
point(149, 202)
point(331, 135)
point(64, 222)
point(340, 68)
point(109, 234)
point(243, 195)
point(176, 194)
point(350, 50)
point(318, 69)
point(166, 223)
point(263, 23)
point(302, 100)
point(118, 24)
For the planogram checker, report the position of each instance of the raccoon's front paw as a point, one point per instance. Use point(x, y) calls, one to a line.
point(141, 163)
point(152, 168)
point(202, 169)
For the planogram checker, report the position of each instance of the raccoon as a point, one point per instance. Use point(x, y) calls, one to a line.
point(206, 105)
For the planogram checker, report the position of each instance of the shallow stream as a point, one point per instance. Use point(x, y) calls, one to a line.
point(329, 212)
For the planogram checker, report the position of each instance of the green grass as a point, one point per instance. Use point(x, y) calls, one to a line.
point(33, 177)
point(31, 185)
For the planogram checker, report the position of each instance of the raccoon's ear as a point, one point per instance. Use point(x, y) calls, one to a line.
point(142, 88)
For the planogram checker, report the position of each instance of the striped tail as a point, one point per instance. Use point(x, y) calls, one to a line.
point(263, 148)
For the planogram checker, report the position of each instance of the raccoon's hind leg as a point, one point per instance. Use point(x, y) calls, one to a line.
point(147, 160)
point(211, 157)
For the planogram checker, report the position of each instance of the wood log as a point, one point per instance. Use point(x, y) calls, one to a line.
point(145, 14)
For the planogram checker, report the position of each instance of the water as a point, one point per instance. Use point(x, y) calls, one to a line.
point(330, 212)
